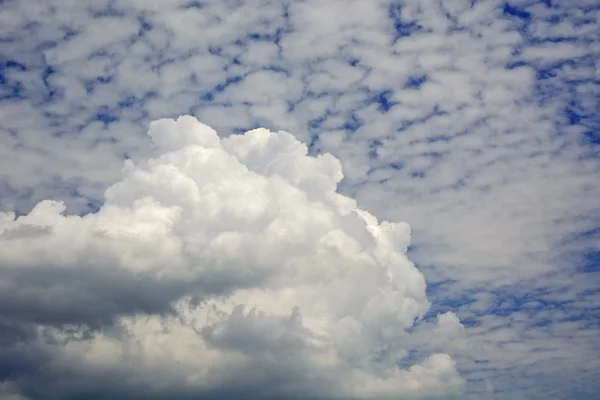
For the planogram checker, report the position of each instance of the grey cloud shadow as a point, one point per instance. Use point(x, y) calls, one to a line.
point(76, 303)
point(95, 296)
point(90, 296)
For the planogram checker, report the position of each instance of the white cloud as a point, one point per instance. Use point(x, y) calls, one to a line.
point(306, 286)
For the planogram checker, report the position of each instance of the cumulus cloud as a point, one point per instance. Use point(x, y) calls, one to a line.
point(216, 267)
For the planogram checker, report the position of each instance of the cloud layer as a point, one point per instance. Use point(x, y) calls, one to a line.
point(217, 267)
point(473, 121)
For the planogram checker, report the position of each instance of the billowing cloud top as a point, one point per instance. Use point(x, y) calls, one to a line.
point(214, 268)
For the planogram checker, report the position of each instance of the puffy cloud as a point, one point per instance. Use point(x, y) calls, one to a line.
point(216, 267)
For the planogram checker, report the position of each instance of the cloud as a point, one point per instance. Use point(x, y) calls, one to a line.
point(217, 266)
point(473, 121)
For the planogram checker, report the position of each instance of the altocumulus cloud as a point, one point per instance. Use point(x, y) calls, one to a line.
point(218, 267)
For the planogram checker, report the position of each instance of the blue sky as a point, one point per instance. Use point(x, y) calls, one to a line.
point(474, 122)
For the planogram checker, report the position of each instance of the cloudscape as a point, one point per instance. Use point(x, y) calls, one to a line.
point(341, 199)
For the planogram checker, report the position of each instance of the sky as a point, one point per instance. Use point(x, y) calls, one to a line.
point(300, 199)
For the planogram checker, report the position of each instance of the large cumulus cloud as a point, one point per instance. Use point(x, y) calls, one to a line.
point(215, 268)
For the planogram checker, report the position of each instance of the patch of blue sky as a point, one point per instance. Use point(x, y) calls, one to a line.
point(402, 27)
point(352, 123)
point(588, 259)
point(274, 37)
point(131, 100)
point(515, 11)
point(415, 82)
point(240, 130)
point(383, 101)
point(106, 116)
point(11, 88)
point(220, 88)
point(446, 299)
